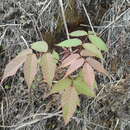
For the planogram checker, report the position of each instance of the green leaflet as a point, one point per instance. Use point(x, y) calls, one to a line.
point(78, 33)
point(61, 85)
point(82, 87)
point(91, 33)
point(98, 42)
point(70, 43)
point(55, 56)
point(40, 46)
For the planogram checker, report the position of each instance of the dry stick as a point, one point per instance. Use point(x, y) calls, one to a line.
point(25, 41)
point(117, 122)
point(2, 37)
point(4, 25)
point(117, 26)
point(88, 18)
point(64, 20)
point(2, 113)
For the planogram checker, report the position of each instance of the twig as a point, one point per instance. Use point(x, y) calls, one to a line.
point(2, 113)
point(2, 37)
point(64, 20)
point(27, 124)
point(4, 25)
point(88, 18)
point(118, 26)
point(25, 41)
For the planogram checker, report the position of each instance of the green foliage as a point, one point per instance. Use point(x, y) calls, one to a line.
point(82, 58)
point(97, 41)
point(61, 85)
point(40, 46)
point(55, 56)
point(78, 33)
point(82, 87)
point(91, 33)
point(70, 43)
point(92, 48)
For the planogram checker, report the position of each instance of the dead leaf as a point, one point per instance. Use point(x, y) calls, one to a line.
point(69, 60)
point(15, 64)
point(97, 65)
point(48, 65)
point(74, 66)
point(69, 102)
point(30, 69)
point(88, 74)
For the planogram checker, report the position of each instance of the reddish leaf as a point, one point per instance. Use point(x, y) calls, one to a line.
point(69, 102)
point(48, 65)
point(74, 66)
point(30, 69)
point(97, 65)
point(88, 74)
point(70, 59)
point(15, 64)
